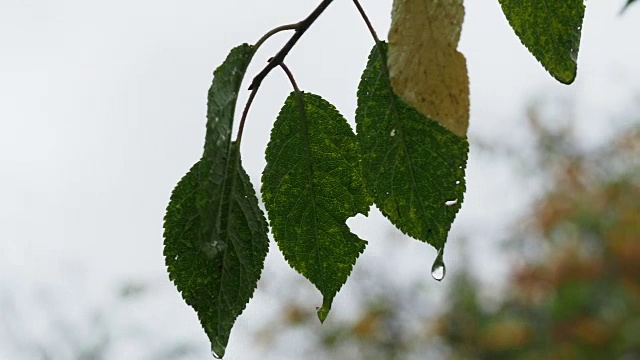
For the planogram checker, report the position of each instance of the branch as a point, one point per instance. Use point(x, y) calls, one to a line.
point(275, 31)
point(301, 28)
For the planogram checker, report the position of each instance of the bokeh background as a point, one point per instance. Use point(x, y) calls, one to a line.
point(102, 111)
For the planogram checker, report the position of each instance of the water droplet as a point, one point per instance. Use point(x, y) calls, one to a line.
point(438, 270)
point(393, 132)
point(451, 202)
point(213, 248)
point(217, 349)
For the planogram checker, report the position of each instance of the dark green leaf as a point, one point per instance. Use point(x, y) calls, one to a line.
point(413, 167)
point(310, 187)
point(223, 95)
point(216, 281)
point(551, 30)
point(215, 234)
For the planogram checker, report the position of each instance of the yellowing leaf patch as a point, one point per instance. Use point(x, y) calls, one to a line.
point(425, 67)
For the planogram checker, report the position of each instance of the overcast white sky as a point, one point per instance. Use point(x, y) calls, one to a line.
point(102, 110)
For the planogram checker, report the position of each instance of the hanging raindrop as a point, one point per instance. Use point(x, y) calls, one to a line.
point(438, 270)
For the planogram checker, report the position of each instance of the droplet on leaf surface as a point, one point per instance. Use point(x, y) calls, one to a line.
point(215, 355)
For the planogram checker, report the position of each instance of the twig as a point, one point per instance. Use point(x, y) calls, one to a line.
point(301, 28)
point(266, 36)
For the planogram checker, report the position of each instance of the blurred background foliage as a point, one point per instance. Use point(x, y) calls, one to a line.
point(575, 293)
point(573, 290)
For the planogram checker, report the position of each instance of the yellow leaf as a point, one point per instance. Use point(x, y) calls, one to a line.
point(425, 67)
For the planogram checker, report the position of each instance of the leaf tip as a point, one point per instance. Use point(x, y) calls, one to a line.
point(323, 312)
point(217, 347)
point(566, 78)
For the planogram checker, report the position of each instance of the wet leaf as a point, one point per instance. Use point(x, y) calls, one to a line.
point(413, 167)
point(551, 30)
point(223, 95)
point(216, 282)
point(311, 185)
point(216, 237)
point(425, 67)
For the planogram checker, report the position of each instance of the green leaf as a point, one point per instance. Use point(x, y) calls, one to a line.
point(223, 95)
point(216, 281)
point(551, 30)
point(413, 167)
point(310, 187)
point(216, 237)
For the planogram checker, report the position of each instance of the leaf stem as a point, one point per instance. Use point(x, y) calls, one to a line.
point(382, 54)
point(290, 76)
point(264, 38)
point(245, 112)
point(367, 21)
point(301, 28)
